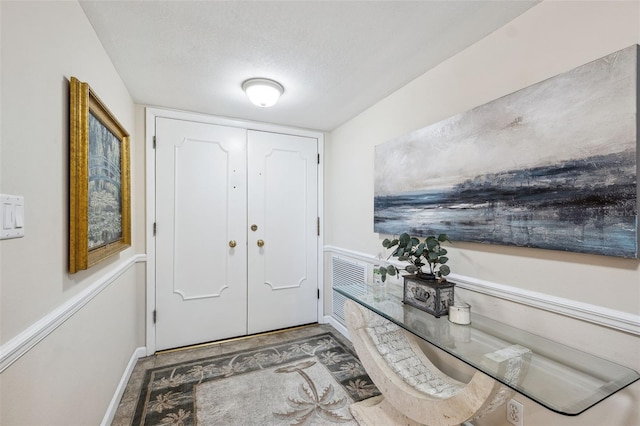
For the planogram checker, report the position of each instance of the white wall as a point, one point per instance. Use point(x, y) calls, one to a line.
point(549, 39)
point(70, 376)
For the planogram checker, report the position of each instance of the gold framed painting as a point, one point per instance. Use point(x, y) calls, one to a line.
point(99, 181)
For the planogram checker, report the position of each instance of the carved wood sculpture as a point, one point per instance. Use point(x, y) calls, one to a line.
point(414, 391)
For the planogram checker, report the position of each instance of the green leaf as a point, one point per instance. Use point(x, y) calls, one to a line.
point(432, 243)
point(388, 244)
point(411, 269)
point(383, 274)
point(404, 239)
point(433, 257)
point(391, 270)
point(443, 238)
point(443, 259)
point(414, 242)
point(444, 270)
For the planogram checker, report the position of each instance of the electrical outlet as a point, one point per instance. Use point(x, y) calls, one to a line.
point(515, 413)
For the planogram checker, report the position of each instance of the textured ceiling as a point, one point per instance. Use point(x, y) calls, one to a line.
point(334, 58)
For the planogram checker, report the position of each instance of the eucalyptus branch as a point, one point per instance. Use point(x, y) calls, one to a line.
point(417, 254)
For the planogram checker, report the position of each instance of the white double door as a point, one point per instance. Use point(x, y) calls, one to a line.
point(236, 240)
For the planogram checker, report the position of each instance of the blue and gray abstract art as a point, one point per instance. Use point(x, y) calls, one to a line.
point(551, 166)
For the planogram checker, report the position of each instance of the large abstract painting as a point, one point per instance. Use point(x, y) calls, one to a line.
point(551, 166)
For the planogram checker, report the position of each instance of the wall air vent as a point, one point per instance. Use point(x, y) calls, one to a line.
point(346, 272)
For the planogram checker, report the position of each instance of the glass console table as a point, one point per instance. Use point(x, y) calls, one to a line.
point(562, 379)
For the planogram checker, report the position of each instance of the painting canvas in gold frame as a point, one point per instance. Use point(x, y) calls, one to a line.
point(99, 190)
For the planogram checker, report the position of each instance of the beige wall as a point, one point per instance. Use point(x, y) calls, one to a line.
point(70, 377)
point(549, 39)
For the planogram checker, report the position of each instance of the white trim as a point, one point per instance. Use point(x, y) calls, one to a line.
point(150, 166)
point(600, 315)
point(150, 118)
point(117, 396)
point(320, 246)
point(153, 112)
point(11, 351)
point(365, 257)
point(338, 326)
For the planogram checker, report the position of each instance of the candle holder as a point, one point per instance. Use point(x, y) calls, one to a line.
point(460, 313)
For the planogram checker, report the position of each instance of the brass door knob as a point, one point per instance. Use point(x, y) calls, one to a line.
point(232, 243)
point(260, 243)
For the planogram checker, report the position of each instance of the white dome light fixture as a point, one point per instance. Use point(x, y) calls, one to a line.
point(262, 91)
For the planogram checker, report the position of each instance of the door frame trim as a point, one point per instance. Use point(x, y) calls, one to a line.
point(151, 113)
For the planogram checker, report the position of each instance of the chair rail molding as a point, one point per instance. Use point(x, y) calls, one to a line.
point(611, 318)
point(15, 348)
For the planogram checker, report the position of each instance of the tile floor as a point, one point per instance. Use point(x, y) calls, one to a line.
point(127, 406)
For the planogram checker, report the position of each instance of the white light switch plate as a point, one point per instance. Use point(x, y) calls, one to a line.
point(11, 216)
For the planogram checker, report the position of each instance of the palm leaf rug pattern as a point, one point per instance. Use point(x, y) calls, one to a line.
point(168, 393)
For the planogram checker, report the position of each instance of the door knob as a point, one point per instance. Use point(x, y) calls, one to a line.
point(232, 243)
point(260, 243)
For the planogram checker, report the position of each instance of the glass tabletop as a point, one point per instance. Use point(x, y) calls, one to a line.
point(562, 379)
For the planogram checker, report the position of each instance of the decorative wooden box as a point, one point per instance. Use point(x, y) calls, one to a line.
point(428, 295)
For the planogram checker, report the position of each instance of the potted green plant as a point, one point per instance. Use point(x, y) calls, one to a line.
point(426, 290)
point(429, 252)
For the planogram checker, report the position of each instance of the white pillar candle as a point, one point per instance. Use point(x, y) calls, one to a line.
point(460, 313)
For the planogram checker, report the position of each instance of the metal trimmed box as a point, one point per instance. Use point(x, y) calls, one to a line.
point(428, 295)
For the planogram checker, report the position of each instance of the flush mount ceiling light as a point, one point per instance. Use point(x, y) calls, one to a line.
point(263, 92)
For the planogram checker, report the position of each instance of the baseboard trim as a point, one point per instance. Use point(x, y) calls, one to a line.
point(117, 396)
point(337, 325)
point(594, 314)
point(15, 348)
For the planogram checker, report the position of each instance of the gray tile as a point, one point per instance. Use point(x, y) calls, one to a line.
point(124, 414)
point(186, 355)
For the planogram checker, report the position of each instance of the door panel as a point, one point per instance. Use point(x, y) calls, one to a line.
point(282, 194)
point(199, 168)
point(200, 207)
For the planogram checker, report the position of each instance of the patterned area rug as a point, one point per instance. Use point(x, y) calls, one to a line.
point(307, 381)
